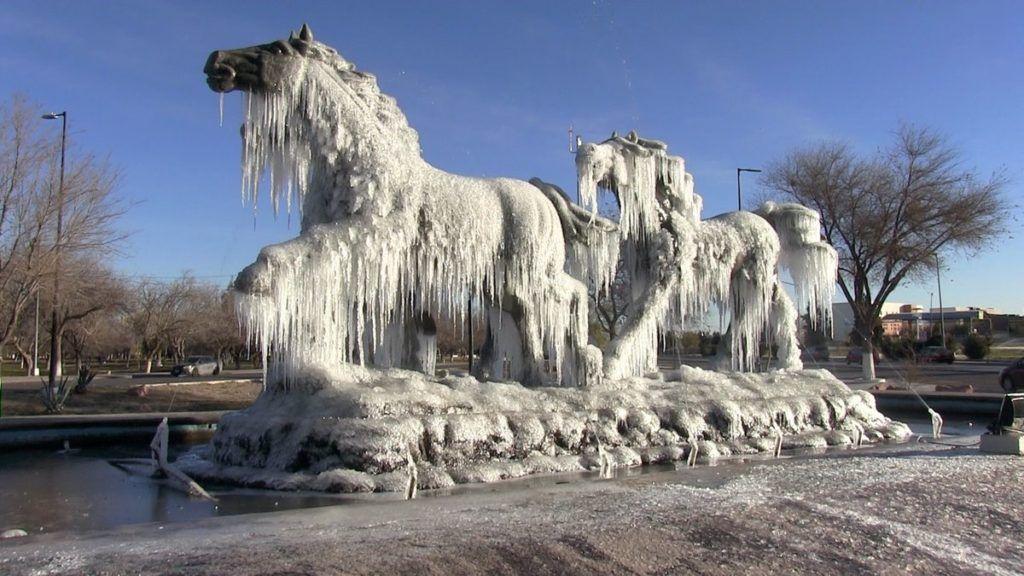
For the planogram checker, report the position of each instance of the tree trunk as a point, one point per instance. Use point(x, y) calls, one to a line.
point(863, 327)
point(26, 360)
point(58, 361)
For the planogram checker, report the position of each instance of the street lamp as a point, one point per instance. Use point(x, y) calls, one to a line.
point(942, 313)
point(54, 337)
point(739, 191)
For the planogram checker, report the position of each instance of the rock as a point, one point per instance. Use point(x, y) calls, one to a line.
point(14, 533)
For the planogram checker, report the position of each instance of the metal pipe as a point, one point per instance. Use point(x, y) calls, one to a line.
point(739, 190)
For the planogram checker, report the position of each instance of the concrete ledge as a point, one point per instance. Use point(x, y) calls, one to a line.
point(975, 404)
point(52, 431)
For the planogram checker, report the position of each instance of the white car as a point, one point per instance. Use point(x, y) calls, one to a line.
point(197, 366)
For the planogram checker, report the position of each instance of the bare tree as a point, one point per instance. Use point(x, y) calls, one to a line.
point(159, 313)
point(217, 329)
point(610, 307)
point(93, 298)
point(28, 208)
point(893, 215)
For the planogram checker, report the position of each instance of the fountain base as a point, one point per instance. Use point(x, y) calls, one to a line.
point(354, 429)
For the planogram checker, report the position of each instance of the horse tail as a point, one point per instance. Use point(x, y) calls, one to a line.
point(591, 242)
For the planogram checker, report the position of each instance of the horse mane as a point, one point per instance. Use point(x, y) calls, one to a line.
point(365, 86)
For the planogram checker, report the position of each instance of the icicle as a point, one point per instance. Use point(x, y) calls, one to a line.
point(341, 291)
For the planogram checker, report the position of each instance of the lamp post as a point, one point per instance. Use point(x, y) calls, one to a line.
point(739, 190)
point(942, 313)
point(55, 366)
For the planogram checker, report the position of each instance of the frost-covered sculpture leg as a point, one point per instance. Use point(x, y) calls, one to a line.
point(512, 349)
point(783, 321)
point(410, 342)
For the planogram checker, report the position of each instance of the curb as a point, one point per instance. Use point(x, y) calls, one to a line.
point(93, 429)
point(977, 404)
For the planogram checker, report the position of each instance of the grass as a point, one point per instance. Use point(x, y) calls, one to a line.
point(117, 398)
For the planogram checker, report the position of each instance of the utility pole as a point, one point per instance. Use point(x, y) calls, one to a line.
point(55, 366)
point(942, 312)
point(739, 189)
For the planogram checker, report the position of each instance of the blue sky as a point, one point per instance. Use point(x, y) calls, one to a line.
point(492, 88)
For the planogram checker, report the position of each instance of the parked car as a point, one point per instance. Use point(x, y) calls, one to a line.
point(197, 366)
point(817, 353)
point(1012, 377)
point(856, 355)
point(936, 354)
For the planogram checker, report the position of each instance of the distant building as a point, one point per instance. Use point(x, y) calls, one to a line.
point(912, 321)
point(842, 317)
point(918, 325)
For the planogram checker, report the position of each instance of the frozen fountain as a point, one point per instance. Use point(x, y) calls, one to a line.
point(345, 313)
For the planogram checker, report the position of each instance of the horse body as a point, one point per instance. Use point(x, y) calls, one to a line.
point(385, 236)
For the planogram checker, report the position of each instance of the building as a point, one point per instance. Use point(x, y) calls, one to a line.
point(912, 321)
point(919, 325)
point(842, 317)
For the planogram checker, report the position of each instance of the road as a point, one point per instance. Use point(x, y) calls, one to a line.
point(34, 382)
point(983, 376)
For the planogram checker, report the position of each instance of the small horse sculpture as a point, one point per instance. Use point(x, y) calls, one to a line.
point(679, 265)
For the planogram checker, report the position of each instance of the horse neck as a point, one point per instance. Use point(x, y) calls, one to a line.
point(346, 135)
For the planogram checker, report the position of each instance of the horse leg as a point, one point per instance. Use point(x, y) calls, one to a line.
point(581, 363)
point(739, 348)
point(512, 347)
point(634, 352)
point(784, 326)
point(408, 342)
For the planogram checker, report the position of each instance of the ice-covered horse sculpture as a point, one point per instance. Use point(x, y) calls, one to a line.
point(680, 265)
point(388, 241)
point(385, 236)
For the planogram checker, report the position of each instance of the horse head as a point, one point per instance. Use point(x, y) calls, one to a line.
point(268, 67)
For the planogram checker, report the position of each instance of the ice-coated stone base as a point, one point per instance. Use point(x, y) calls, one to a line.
point(352, 430)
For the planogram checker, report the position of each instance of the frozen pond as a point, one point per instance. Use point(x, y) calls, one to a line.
point(48, 491)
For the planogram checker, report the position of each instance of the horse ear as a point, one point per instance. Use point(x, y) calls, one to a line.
point(292, 37)
point(306, 35)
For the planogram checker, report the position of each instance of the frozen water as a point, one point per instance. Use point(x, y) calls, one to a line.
point(354, 428)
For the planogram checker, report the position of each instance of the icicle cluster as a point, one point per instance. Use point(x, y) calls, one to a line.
point(730, 262)
point(811, 262)
point(386, 236)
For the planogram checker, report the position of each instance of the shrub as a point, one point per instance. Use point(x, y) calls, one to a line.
point(897, 348)
point(976, 346)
